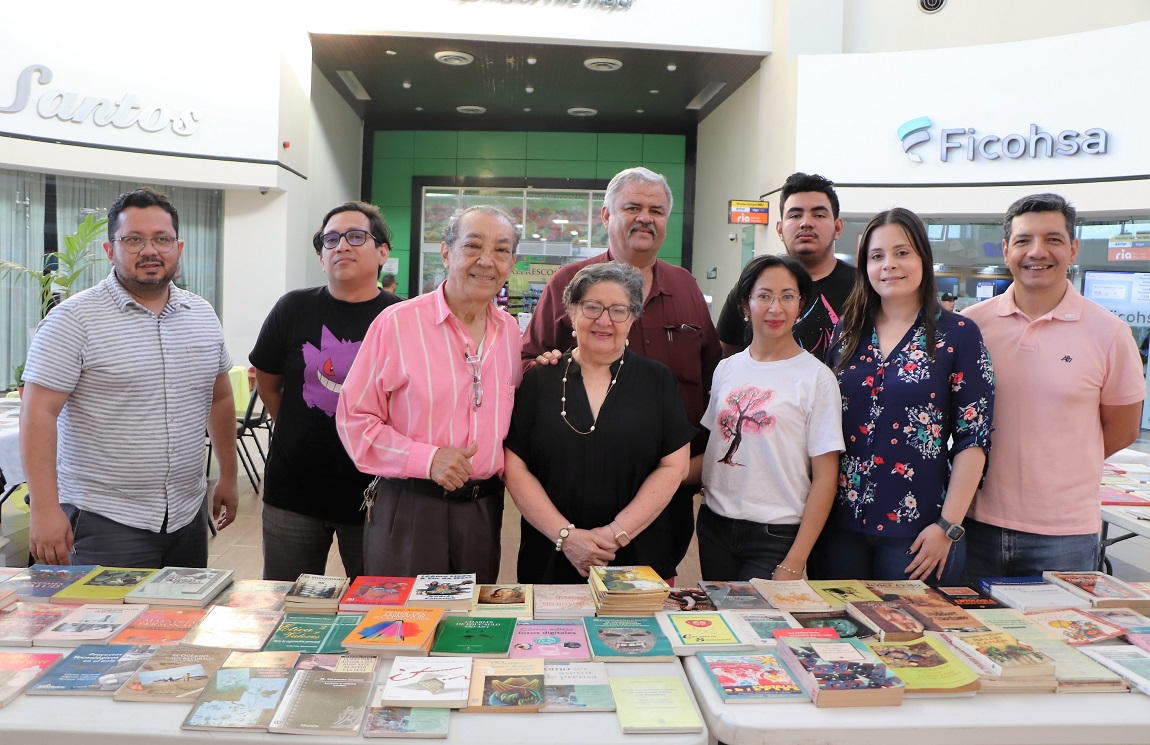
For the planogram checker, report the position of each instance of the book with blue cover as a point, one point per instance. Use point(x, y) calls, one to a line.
point(92, 670)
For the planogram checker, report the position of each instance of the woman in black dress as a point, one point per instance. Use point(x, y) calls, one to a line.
point(598, 443)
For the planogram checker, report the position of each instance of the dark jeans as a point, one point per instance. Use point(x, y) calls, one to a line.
point(296, 544)
point(1001, 552)
point(741, 549)
point(98, 540)
point(847, 554)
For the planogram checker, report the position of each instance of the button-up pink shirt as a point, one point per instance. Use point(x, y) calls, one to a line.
point(409, 391)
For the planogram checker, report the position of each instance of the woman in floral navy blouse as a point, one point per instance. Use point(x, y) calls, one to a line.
point(916, 416)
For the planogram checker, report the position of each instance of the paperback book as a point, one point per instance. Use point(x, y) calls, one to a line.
point(92, 670)
point(20, 625)
point(839, 592)
point(928, 667)
point(939, 615)
point(687, 599)
point(503, 601)
point(968, 597)
point(506, 686)
point(1074, 626)
point(576, 686)
point(368, 592)
point(559, 640)
point(255, 594)
point(404, 721)
point(563, 601)
point(734, 595)
point(1128, 661)
point(890, 620)
point(1130, 621)
point(88, 624)
point(1030, 598)
point(313, 632)
point(103, 585)
point(841, 622)
point(654, 704)
point(758, 626)
point(1100, 589)
point(181, 586)
point(751, 678)
point(387, 632)
point(793, 596)
point(469, 636)
point(702, 632)
point(174, 673)
point(898, 589)
point(627, 590)
point(160, 626)
point(39, 582)
point(634, 639)
point(437, 682)
point(841, 672)
point(1004, 654)
point(322, 702)
point(282, 660)
point(315, 593)
point(451, 592)
point(235, 628)
point(19, 669)
point(239, 698)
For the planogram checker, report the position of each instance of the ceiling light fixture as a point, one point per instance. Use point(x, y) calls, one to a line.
point(602, 64)
point(582, 111)
point(352, 82)
point(419, 108)
point(456, 59)
point(527, 108)
point(471, 109)
point(672, 67)
point(531, 60)
point(390, 52)
point(705, 96)
point(407, 84)
point(653, 91)
point(530, 89)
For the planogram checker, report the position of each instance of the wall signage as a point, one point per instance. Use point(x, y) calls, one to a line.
point(78, 108)
point(967, 141)
point(749, 213)
point(1128, 247)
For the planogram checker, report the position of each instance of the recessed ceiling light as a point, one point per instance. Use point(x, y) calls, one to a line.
point(672, 67)
point(531, 60)
point(527, 108)
point(582, 111)
point(390, 52)
point(654, 90)
point(530, 89)
point(471, 109)
point(407, 84)
point(602, 64)
point(352, 82)
point(419, 108)
point(457, 59)
point(638, 111)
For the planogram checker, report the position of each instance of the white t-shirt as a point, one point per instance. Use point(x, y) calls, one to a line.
point(767, 420)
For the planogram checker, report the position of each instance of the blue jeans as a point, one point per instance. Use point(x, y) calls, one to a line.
point(296, 544)
point(1001, 552)
point(847, 554)
point(741, 549)
point(99, 540)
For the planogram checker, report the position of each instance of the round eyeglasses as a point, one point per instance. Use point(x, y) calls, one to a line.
point(134, 244)
point(330, 241)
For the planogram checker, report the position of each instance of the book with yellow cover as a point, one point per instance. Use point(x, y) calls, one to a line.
point(927, 666)
point(1005, 654)
point(387, 632)
point(691, 632)
point(506, 686)
point(654, 704)
point(103, 585)
point(839, 592)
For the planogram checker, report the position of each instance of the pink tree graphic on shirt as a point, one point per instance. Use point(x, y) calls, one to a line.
point(747, 414)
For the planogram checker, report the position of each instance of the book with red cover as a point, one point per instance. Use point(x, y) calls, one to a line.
point(368, 592)
point(160, 626)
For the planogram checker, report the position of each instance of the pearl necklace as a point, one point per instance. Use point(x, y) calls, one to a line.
point(563, 400)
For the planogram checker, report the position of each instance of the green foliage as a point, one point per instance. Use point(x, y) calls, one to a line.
point(18, 374)
point(67, 265)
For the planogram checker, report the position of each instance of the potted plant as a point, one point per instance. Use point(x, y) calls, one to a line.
point(18, 374)
point(62, 268)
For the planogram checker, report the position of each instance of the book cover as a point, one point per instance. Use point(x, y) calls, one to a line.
point(338, 663)
point(1006, 655)
point(404, 721)
point(368, 592)
point(255, 594)
point(844, 625)
point(891, 620)
point(469, 636)
point(627, 580)
point(814, 632)
point(1075, 627)
point(239, 698)
point(927, 666)
point(92, 669)
point(563, 601)
point(559, 640)
point(1131, 621)
point(1130, 662)
point(968, 597)
point(322, 702)
point(316, 591)
point(985, 583)
point(455, 591)
point(1139, 640)
point(576, 686)
point(40, 582)
point(282, 660)
point(21, 624)
point(313, 633)
point(894, 589)
point(391, 631)
point(758, 626)
point(235, 628)
point(940, 615)
point(88, 624)
point(686, 599)
point(160, 626)
point(733, 595)
point(793, 596)
point(654, 704)
point(636, 639)
point(19, 669)
point(182, 586)
point(751, 678)
point(1100, 589)
point(841, 672)
point(692, 632)
point(505, 601)
point(506, 686)
point(438, 682)
point(174, 673)
point(839, 592)
point(103, 585)
point(1035, 597)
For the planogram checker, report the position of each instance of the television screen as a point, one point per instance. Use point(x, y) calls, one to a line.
point(1125, 294)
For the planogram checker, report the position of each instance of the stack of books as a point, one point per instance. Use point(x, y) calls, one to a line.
point(368, 592)
point(1005, 656)
point(928, 666)
point(182, 587)
point(627, 590)
point(503, 601)
point(1101, 590)
point(841, 672)
point(103, 585)
point(315, 593)
point(391, 632)
point(454, 593)
point(1029, 594)
point(563, 601)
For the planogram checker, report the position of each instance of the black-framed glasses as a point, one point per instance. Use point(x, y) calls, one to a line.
point(592, 310)
point(134, 244)
point(353, 237)
point(473, 361)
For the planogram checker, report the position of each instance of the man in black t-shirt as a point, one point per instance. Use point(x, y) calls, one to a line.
point(302, 355)
point(809, 225)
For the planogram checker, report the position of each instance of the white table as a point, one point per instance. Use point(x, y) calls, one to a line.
point(1118, 516)
point(985, 719)
point(92, 720)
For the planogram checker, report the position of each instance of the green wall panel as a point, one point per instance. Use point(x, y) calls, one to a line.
point(608, 169)
point(562, 146)
point(399, 144)
point(627, 148)
point(434, 167)
point(436, 145)
point(664, 148)
point(673, 243)
point(488, 167)
point(493, 145)
point(391, 181)
point(560, 169)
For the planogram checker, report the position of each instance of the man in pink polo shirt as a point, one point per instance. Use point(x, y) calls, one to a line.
point(1069, 392)
point(426, 406)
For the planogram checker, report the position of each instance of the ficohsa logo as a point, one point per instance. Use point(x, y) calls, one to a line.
point(914, 133)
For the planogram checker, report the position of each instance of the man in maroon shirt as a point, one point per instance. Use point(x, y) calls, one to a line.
point(675, 327)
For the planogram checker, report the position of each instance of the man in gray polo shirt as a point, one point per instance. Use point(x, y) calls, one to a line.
point(121, 381)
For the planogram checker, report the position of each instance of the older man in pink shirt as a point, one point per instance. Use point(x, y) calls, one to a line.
point(1069, 392)
point(426, 406)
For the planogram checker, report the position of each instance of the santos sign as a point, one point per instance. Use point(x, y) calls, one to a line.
point(992, 147)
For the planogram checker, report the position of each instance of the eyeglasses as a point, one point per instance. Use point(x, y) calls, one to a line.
point(473, 361)
point(134, 244)
point(786, 299)
point(353, 237)
point(592, 311)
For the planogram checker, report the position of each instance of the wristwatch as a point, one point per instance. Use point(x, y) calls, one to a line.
point(952, 531)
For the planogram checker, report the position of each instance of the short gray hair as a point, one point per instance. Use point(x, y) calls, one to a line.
point(624, 275)
point(637, 175)
point(451, 232)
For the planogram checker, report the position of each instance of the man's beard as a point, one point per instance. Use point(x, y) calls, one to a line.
point(146, 285)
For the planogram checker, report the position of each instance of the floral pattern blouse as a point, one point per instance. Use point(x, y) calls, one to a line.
point(899, 418)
